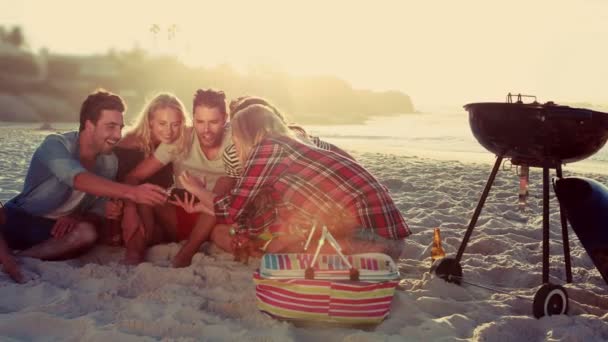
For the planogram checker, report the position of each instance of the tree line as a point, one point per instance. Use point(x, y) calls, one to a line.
point(138, 75)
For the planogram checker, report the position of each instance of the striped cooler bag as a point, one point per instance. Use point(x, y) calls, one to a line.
point(321, 288)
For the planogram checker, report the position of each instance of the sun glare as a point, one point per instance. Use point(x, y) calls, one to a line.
point(458, 52)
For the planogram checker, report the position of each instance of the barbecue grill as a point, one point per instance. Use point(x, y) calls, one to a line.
point(532, 135)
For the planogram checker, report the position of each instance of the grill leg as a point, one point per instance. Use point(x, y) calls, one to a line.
point(545, 224)
point(480, 204)
point(564, 221)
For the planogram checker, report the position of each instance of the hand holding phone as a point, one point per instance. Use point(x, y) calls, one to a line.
point(177, 193)
point(190, 203)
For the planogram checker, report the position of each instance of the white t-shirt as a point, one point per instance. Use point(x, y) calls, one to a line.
point(196, 162)
point(68, 206)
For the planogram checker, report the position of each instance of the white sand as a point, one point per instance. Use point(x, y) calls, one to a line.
point(94, 298)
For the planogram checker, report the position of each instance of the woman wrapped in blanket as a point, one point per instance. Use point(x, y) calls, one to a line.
point(262, 212)
point(305, 184)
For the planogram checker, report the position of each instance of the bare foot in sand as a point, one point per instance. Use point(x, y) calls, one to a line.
point(132, 258)
point(183, 258)
point(10, 267)
point(8, 261)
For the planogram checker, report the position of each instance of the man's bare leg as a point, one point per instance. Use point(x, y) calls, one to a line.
point(83, 236)
point(200, 233)
point(166, 222)
point(135, 248)
point(135, 245)
point(159, 225)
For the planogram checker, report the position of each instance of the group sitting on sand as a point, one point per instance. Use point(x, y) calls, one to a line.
point(239, 177)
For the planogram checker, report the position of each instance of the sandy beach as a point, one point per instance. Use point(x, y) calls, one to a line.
point(94, 298)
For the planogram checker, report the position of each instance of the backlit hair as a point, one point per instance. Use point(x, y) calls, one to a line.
point(98, 101)
point(243, 102)
point(253, 124)
point(141, 129)
point(210, 98)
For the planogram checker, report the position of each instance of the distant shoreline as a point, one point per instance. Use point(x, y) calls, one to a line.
point(329, 121)
point(335, 120)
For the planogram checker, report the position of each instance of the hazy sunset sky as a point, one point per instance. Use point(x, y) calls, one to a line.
point(438, 52)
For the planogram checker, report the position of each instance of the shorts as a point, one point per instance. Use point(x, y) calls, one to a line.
point(22, 230)
point(185, 223)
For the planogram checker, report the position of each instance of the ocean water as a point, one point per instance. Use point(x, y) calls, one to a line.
point(439, 135)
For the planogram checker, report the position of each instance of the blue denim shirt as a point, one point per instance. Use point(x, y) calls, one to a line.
point(50, 177)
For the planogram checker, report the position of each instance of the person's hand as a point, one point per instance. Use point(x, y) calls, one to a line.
point(195, 185)
point(189, 205)
point(63, 226)
point(113, 209)
point(149, 194)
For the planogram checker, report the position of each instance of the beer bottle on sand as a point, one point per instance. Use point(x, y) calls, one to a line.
point(437, 251)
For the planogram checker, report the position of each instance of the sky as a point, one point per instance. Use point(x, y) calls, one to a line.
point(441, 53)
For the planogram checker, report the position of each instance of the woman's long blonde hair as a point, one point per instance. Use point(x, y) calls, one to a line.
point(141, 130)
point(254, 123)
point(243, 102)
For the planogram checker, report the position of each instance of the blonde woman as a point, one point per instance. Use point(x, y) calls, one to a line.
point(207, 138)
point(162, 120)
point(262, 212)
point(307, 184)
point(231, 162)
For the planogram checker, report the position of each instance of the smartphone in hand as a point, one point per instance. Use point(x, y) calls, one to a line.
point(181, 194)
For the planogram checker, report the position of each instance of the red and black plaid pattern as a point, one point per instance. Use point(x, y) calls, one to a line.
point(312, 183)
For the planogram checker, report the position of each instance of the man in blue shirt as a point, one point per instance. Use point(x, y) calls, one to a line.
point(69, 177)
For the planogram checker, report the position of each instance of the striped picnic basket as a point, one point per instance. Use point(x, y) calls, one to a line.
point(283, 291)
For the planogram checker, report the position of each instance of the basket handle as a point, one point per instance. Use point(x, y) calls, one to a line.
point(309, 273)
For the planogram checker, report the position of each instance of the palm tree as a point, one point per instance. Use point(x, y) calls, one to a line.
point(171, 31)
point(155, 29)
